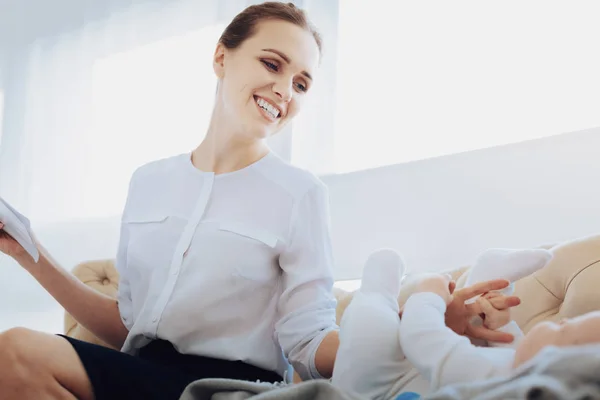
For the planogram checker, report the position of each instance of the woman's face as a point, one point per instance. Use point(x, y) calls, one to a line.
point(264, 82)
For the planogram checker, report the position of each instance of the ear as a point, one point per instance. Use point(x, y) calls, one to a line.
point(219, 61)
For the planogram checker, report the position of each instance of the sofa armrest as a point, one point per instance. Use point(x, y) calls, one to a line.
point(102, 276)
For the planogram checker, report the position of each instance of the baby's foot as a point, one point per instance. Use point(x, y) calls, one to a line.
point(508, 264)
point(382, 273)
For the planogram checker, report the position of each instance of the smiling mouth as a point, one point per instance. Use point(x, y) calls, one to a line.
point(268, 109)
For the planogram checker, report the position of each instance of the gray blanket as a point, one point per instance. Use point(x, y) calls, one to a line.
point(555, 373)
point(572, 373)
point(226, 389)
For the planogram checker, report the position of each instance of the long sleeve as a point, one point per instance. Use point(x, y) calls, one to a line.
point(124, 291)
point(439, 354)
point(306, 307)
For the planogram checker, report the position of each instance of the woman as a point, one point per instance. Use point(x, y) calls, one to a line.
point(224, 256)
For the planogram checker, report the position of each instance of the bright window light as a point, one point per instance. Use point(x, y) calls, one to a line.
point(148, 103)
point(425, 79)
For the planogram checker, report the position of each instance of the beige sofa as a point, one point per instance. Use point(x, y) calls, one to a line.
point(566, 287)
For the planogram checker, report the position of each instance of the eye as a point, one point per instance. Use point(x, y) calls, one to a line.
point(301, 87)
point(270, 65)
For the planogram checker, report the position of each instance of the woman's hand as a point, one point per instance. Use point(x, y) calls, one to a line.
point(10, 246)
point(459, 314)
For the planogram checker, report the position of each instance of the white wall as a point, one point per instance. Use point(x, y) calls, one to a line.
point(440, 213)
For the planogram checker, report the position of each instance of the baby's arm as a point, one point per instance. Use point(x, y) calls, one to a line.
point(439, 354)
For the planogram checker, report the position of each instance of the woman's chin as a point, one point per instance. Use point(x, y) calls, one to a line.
point(263, 131)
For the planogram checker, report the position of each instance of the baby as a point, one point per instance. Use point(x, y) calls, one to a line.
point(382, 355)
point(445, 358)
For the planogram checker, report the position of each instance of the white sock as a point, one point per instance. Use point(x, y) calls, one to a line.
point(508, 264)
point(382, 273)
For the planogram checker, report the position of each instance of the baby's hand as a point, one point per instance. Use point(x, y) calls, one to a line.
point(438, 284)
point(493, 318)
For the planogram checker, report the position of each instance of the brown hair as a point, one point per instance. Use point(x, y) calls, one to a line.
point(243, 25)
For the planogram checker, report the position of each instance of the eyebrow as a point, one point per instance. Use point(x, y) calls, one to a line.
point(287, 60)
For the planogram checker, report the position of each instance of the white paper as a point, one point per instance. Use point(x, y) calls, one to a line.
point(19, 227)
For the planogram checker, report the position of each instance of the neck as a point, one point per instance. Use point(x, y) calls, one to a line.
point(226, 150)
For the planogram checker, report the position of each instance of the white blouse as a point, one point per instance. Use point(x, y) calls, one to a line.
point(236, 266)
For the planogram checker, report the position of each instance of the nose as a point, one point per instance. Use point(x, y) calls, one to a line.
point(283, 89)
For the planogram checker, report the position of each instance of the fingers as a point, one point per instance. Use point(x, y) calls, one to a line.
point(481, 288)
point(493, 318)
point(503, 302)
point(473, 309)
point(486, 307)
point(499, 302)
point(491, 295)
point(483, 333)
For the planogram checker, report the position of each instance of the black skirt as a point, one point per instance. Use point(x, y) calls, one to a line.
point(158, 372)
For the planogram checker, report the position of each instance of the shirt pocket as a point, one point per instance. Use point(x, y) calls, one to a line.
point(254, 251)
point(152, 237)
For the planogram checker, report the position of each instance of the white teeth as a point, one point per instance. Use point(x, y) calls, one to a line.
point(274, 112)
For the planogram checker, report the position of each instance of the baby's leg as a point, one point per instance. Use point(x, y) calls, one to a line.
point(508, 264)
point(370, 361)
